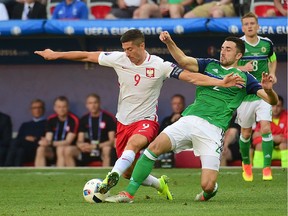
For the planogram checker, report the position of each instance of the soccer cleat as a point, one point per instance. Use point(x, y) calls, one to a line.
point(122, 197)
point(206, 197)
point(247, 172)
point(110, 181)
point(164, 189)
point(267, 174)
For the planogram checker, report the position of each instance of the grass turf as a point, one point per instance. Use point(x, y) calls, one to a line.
point(59, 192)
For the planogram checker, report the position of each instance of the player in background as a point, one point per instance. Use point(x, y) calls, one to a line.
point(204, 122)
point(279, 128)
point(259, 55)
point(140, 77)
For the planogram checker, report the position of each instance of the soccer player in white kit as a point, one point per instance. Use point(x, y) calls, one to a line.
point(140, 77)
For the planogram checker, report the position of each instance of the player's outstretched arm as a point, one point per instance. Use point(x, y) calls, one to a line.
point(203, 80)
point(184, 61)
point(267, 93)
point(49, 54)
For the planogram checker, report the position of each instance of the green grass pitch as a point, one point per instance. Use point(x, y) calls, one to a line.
point(59, 192)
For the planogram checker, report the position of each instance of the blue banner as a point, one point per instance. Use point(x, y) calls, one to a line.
point(19, 27)
point(118, 27)
point(233, 25)
point(268, 26)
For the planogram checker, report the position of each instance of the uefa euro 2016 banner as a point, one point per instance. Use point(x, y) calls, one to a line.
point(147, 26)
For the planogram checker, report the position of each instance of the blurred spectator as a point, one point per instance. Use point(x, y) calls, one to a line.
point(280, 9)
point(170, 8)
point(231, 150)
point(279, 130)
point(23, 149)
point(216, 9)
point(177, 105)
point(61, 131)
point(3, 12)
point(71, 9)
point(30, 9)
point(5, 136)
point(96, 134)
point(125, 9)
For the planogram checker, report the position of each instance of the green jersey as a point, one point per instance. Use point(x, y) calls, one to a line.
point(216, 104)
point(258, 53)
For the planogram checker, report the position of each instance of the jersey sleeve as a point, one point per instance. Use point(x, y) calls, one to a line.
point(108, 58)
point(203, 62)
point(73, 124)
point(252, 85)
point(172, 70)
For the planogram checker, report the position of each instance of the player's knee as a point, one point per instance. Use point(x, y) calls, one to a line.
point(40, 151)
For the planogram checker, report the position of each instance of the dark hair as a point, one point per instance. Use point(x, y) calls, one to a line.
point(134, 35)
point(240, 45)
point(249, 15)
point(62, 98)
point(179, 96)
point(281, 99)
point(38, 101)
point(94, 96)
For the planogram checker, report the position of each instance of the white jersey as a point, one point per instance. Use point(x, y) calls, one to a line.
point(140, 85)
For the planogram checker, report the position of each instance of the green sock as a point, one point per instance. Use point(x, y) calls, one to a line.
point(258, 160)
point(284, 158)
point(141, 171)
point(267, 148)
point(245, 149)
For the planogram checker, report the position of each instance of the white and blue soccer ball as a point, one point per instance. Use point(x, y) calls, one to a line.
point(90, 191)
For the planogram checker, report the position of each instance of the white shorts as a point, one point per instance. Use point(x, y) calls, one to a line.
point(194, 132)
point(250, 112)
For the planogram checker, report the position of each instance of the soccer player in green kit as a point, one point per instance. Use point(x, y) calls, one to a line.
point(204, 122)
point(258, 58)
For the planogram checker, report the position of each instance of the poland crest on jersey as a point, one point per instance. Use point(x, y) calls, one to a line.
point(150, 72)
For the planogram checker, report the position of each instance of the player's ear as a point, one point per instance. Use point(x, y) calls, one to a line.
point(239, 55)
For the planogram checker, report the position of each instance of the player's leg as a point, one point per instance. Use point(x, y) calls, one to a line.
point(172, 138)
point(208, 180)
point(142, 133)
point(208, 144)
point(264, 116)
point(246, 118)
point(143, 168)
point(284, 153)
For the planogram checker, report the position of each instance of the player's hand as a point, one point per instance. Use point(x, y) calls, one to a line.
point(267, 81)
point(30, 138)
point(249, 66)
point(233, 80)
point(47, 54)
point(43, 142)
point(274, 78)
point(165, 37)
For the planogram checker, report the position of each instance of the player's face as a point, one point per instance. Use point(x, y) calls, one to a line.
point(229, 55)
point(135, 53)
point(250, 26)
point(93, 105)
point(37, 109)
point(61, 108)
point(277, 109)
point(177, 105)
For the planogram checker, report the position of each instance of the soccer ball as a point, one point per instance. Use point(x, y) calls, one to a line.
point(90, 191)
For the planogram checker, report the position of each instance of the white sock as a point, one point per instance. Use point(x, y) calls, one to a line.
point(151, 181)
point(124, 162)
